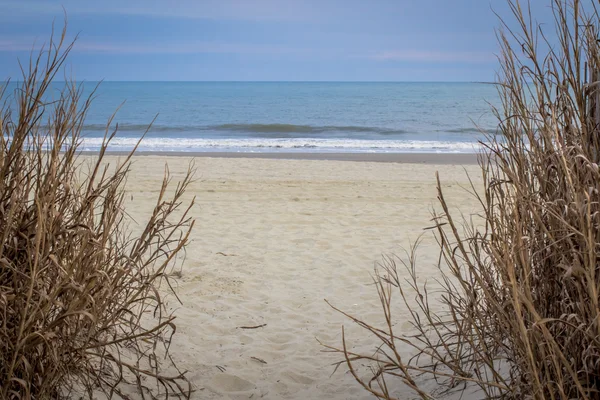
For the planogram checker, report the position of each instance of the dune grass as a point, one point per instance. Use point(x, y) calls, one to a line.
point(82, 300)
point(520, 290)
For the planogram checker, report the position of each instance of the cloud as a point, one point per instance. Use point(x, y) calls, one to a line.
point(23, 43)
point(259, 10)
point(433, 56)
point(29, 43)
point(186, 48)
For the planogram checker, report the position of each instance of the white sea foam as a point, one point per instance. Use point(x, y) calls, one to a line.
point(296, 144)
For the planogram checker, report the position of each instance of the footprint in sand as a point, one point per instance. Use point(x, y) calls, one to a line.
point(281, 338)
point(298, 378)
point(226, 383)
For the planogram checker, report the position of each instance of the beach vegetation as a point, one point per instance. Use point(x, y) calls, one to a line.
point(515, 312)
point(83, 299)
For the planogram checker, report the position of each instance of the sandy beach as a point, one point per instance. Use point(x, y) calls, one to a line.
point(273, 239)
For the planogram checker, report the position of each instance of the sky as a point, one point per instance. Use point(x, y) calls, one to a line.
point(262, 40)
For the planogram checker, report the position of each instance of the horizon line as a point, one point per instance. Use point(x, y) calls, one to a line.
point(250, 81)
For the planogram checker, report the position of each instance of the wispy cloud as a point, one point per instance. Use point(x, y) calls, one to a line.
point(186, 48)
point(26, 43)
point(260, 10)
point(22, 43)
point(433, 56)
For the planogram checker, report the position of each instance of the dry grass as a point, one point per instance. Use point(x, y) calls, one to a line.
point(82, 306)
point(520, 291)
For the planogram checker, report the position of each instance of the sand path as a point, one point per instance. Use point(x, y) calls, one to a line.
point(273, 239)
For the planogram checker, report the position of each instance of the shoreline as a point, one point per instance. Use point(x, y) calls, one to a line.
point(403, 158)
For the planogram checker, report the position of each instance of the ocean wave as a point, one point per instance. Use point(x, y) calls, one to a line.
point(469, 130)
point(340, 145)
point(273, 130)
point(292, 128)
point(135, 128)
point(247, 128)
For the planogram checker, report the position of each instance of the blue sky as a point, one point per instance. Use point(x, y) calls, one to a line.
point(264, 40)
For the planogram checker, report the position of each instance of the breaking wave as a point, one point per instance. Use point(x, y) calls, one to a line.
point(259, 145)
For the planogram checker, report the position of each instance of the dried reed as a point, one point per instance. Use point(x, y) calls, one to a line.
point(520, 290)
point(82, 301)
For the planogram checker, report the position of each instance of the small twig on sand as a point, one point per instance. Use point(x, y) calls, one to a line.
point(260, 360)
point(252, 327)
point(226, 255)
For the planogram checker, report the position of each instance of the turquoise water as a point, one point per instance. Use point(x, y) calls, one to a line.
point(294, 116)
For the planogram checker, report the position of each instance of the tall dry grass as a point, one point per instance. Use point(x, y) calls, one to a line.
point(520, 290)
point(82, 301)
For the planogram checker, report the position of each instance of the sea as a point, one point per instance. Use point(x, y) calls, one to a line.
point(373, 117)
